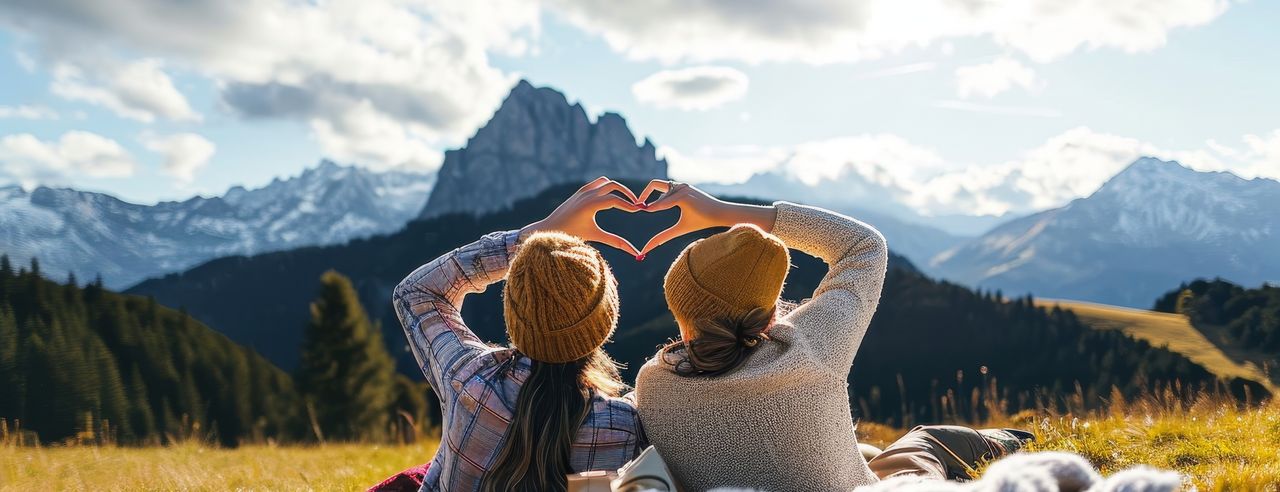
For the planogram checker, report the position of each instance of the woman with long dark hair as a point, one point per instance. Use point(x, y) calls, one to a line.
point(524, 417)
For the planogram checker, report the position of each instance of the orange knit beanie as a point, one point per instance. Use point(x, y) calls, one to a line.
point(726, 276)
point(560, 299)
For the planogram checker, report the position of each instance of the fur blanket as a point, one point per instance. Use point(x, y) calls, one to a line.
point(1038, 472)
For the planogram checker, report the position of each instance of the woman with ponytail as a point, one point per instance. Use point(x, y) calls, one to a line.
point(754, 392)
point(523, 418)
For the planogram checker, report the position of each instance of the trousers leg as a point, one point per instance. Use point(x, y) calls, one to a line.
point(913, 455)
point(919, 453)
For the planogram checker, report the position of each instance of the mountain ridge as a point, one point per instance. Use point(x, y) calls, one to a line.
point(1154, 224)
point(89, 233)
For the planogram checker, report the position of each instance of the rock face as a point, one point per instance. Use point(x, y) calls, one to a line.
point(92, 233)
point(536, 140)
point(1152, 226)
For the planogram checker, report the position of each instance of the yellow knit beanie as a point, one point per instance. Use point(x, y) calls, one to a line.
point(560, 299)
point(726, 275)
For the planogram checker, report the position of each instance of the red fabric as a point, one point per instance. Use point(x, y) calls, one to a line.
point(406, 481)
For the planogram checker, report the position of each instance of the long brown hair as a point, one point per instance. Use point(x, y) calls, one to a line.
point(553, 403)
point(719, 345)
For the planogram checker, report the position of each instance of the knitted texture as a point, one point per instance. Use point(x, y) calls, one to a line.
point(726, 275)
point(560, 300)
point(780, 421)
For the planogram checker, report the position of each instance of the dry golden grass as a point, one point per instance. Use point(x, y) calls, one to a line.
point(198, 467)
point(1168, 330)
point(1214, 444)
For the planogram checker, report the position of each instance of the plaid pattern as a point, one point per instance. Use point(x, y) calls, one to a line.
point(477, 383)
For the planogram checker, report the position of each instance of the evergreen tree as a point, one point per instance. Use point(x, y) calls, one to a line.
point(12, 393)
point(88, 360)
point(345, 373)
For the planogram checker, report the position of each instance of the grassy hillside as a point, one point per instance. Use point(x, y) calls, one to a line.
point(1173, 331)
point(196, 467)
point(1215, 445)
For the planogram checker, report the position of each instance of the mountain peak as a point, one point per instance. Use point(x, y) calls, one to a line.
point(537, 139)
point(93, 233)
point(1147, 166)
point(1154, 224)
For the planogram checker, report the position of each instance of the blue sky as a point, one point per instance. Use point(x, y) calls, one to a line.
point(1014, 107)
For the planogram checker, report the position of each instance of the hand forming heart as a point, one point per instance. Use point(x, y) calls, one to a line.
point(698, 211)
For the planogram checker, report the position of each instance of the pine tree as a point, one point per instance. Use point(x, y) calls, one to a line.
point(6, 268)
point(12, 392)
point(345, 372)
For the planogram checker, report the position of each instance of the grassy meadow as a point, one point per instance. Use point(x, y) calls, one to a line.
point(1175, 332)
point(195, 466)
point(1216, 445)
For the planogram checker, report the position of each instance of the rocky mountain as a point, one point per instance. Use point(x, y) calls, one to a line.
point(536, 140)
point(93, 233)
point(1153, 225)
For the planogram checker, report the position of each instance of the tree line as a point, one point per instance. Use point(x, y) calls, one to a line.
point(1251, 316)
point(82, 363)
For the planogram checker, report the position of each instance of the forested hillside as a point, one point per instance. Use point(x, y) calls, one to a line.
point(928, 340)
point(90, 365)
point(1251, 316)
point(83, 362)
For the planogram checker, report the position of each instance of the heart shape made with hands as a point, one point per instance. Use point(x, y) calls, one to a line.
point(653, 219)
point(578, 214)
point(636, 227)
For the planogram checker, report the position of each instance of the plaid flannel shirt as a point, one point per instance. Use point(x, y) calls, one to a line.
point(478, 383)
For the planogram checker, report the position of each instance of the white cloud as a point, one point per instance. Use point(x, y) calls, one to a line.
point(138, 90)
point(989, 79)
point(1260, 156)
point(362, 134)
point(830, 31)
point(28, 112)
point(904, 175)
point(1038, 112)
point(693, 88)
point(723, 164)
point(420, 66)
point(905, 69)
point(29, 160)
point(184, 153)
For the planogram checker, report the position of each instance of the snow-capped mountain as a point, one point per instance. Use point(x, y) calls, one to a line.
point(917, 241)
point(869, 190)
point(536, 140)
point(93, 233)
point(1152, 226)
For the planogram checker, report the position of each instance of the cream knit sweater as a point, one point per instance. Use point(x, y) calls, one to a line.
point(781, 420)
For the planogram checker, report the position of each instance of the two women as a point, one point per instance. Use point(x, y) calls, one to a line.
point(750, 396)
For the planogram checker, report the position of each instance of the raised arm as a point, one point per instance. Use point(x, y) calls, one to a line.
point(836, 318)
point(429, 301)
point(429, 304)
